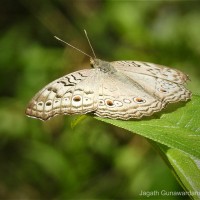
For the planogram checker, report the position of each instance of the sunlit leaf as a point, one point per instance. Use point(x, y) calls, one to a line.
point(176, 127)
point(176, 133)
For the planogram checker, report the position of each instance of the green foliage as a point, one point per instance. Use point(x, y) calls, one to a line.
point(178, 129)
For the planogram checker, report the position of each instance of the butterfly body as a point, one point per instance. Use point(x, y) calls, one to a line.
point(117, 90)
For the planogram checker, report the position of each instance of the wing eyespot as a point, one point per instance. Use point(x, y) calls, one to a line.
point(118, 103)
point(48, 103)
point(139, 100)
point(101, 102)
point(126, 101)
point(77, 98)
point(40, 104)
point(109, 103)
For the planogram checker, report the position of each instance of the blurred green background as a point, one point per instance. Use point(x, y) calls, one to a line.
point(50, 160)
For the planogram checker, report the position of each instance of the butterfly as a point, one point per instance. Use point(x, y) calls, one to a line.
point(116, 90)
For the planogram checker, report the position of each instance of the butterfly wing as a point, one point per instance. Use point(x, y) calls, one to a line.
point(165, 83)
point(70, 94)
point(123, 98)
point(155, 70)
point(136, 91)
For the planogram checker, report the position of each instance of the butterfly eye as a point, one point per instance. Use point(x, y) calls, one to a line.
point(139, 100)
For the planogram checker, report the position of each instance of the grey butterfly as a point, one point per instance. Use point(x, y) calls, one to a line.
point(116, 90)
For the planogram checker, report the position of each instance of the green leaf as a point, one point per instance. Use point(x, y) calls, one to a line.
point(176, 128)
point(187, 170)
point(185, 167)
point(77, 120)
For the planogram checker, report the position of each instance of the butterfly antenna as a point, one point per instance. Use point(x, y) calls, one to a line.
point(72, 46)
point(89, 43)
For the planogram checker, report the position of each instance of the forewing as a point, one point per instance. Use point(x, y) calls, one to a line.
point(151, 69)
point(74, 93)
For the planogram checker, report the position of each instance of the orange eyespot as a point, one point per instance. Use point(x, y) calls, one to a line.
point(139, 100)
point(109, 102)
point(77, 98)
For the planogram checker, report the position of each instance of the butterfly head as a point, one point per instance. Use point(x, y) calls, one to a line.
point(94, 62)
point(102, 65)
